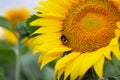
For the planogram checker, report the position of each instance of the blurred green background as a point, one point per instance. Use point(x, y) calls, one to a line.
point(29, 67)
point(25, 62)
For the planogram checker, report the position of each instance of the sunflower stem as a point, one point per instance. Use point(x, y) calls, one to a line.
point(18, 64)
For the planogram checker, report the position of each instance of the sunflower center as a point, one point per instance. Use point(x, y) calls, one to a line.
point(91, 21)
point(91, 25)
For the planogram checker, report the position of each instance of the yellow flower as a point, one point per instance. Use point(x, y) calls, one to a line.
point(84, 31)
point(10, 36)
point(15, 16)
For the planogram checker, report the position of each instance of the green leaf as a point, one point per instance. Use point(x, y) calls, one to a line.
point(109, 70)
point(2, 74)
point(7, 54)
point(31, 29)
point(112, 69)
point(34, 35)
point(32, 18)
point(116, 63)
point(5, 23)
point(115, 78)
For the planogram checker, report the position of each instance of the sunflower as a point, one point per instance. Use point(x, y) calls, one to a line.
point(79, 33)
point(15, 16)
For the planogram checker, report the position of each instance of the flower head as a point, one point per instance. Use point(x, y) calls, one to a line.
point(84, 31)
point(15, 16)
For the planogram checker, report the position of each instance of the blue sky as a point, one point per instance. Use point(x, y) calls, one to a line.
point(6, 4)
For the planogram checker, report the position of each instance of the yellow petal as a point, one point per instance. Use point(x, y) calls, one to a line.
point(75, 69)
point(47, 46)
point(46, 22)
point(68, 3)
point(117, 33)
point(60, 72)
point(46, 6)
point(44, 38)
point(75, 1)
point(118, 24)
point(68, 69)
point(10, 36)
point(48, 59)
point(107, 52)
point(65, 60)
point(52, 16)
point(41, 57)
point(116, 52)
point(53, 54)
point(59, 49)
point(98, 67)
point(114, 44)
point(48, 29)
point(89, 60)
point(65, 3)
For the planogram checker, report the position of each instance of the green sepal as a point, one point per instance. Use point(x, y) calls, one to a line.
point(5, 23)
point(112, 68)
point(21, 29)
point(109, 70)
point(116, 63)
